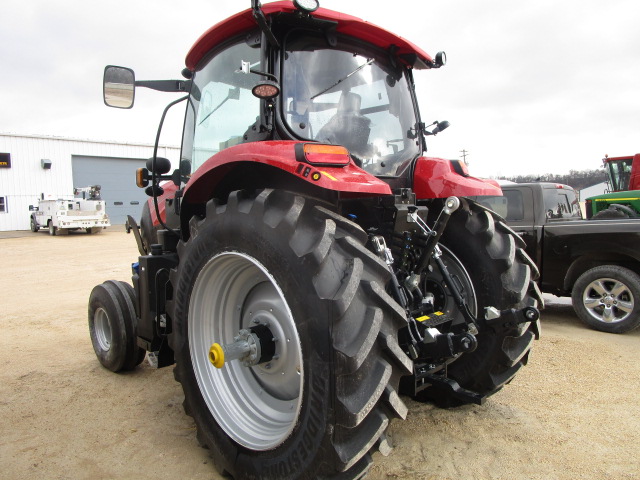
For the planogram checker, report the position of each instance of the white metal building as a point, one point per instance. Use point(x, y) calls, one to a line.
point(32, 165)
point(592, 191)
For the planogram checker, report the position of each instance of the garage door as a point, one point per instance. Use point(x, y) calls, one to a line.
point(117, 178)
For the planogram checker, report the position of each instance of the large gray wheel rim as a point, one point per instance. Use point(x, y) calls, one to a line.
point(256, 406)
point(461, 278)
point(608, 300)
point(102, 329)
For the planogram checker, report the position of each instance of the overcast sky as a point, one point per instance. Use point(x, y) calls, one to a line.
point(530, 87)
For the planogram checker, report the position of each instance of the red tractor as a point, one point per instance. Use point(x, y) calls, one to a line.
point(306, 265)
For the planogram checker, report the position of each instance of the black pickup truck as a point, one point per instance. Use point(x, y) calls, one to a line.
point(596, 262)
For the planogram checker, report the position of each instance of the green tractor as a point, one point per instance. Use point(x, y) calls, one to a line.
point(623, 199)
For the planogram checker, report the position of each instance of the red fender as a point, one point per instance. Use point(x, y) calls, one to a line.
point(348, 179)
point(169, 192)
point(440, 178)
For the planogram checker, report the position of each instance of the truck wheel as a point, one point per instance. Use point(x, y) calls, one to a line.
point(52, 229)
point(607, 298)
point(112, 326)
point(320, 402)
point(34, 225)
point(488, 262)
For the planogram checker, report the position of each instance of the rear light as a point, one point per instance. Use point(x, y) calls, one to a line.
point(266, 90)
point(319, 154)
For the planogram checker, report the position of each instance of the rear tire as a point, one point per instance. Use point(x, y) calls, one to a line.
point(112, 326)
point(52, 229)
point(607, 298)
point(287, 260)
point(498, 274)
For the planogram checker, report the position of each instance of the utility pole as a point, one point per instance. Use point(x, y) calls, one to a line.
point(464, 155)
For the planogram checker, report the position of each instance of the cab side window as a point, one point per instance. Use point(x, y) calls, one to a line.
point(221, 106)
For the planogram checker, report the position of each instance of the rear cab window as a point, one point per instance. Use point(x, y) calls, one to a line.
point(561, 203)
point(510, 206)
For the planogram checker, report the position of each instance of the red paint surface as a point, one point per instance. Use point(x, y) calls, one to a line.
point(436, 178)
point(280, 154)
point(169, 191)
point(347, 24)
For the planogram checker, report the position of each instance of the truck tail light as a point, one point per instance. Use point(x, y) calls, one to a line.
point(319, 154)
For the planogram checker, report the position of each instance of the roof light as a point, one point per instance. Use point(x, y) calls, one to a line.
point(307, 5)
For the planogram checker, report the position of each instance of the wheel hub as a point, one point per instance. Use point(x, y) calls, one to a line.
point(608, 300)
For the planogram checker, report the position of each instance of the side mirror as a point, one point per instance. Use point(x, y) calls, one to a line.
point(32, 208)
point(163, 165)
point(118, 88)
point(440, 126)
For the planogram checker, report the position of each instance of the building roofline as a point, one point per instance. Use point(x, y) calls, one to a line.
point(83, 140)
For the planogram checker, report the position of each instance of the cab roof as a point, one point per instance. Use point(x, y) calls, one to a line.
point(346, 24)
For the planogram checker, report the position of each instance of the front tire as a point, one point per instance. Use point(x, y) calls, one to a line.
point(34, 225)
point(607, 298)
point(112, 326)
point(290, 263)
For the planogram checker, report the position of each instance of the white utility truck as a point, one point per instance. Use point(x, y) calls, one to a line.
point(83, 210)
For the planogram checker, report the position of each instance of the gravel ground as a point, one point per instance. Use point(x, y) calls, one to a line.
point(572, 413)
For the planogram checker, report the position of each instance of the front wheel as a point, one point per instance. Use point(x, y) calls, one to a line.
point(112, 326)
point(34, 225)
point(318, 398)
point(607, 298)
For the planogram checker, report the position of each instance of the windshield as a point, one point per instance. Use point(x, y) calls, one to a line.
point(349, 96)
point(620, 171)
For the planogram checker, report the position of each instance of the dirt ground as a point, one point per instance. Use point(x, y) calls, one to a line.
point(571, 414)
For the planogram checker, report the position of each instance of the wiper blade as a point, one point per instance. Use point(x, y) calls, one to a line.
point(369, 62)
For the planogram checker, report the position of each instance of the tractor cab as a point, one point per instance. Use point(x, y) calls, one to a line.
point(623, 172)
point(311, 76)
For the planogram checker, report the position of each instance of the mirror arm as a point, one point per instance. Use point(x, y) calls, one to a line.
point(261, 20)
point(154, 176)
point(165, 85)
